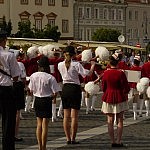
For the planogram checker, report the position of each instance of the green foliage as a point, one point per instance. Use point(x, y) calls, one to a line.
point(24, 30)
point(6, 26)
point(106, 35)
point(52, 33)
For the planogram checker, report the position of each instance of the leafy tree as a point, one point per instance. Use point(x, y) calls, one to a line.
point(6, 26)
point(107, 35)
point(24, 30)
point(52, 33)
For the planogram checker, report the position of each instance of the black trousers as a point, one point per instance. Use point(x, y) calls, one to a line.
point(8, 112)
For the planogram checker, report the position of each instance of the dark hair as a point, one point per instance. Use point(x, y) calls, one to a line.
point(70, 50)
point(113, 61)
point(43, 62)
point(136, 62)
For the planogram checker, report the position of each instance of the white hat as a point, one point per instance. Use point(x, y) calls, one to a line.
point(115, 56)
point(137, 57)
point(119, 51)
point(86, 55)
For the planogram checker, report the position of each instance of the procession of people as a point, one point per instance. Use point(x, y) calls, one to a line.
point(45, 73)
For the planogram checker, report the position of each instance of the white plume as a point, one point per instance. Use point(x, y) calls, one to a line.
point(102, 53)
point(40, 48)
point(144, 81)
point(148, 92)
point(32, 52)
point(91, 88)
point(49, 50)
point(86, 55)
point(140, 87)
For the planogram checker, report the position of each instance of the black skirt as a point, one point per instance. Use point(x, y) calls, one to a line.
point(19, 95)
point(43, 107)
point(71, 96)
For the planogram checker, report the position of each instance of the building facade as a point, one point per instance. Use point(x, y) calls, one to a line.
point(40, 13)
point(130, 17)
point(79, 19)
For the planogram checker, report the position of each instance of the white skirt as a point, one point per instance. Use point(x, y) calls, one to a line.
point(114, 108)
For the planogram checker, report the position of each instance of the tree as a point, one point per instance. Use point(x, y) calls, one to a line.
point(52, 33)
point(6, 26)
point(106, 35)
point(24, 30)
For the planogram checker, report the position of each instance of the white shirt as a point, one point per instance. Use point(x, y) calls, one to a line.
point(43, 84)
point(9, 64)
point(72, 74)
point(23, 71)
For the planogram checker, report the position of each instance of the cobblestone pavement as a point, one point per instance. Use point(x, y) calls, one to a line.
point(136, 134)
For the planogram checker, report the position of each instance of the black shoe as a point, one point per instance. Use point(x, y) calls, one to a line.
point(68, 142)
point(118, 145)
point(18, 139)
point(75, 142)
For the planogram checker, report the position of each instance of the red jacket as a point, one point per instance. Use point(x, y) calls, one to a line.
point(115, 86)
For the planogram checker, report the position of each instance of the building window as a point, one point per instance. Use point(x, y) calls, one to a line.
point(105, 14)
point(38, 2)
point(80, 12)
point(96, 13)
point(136, 15)
point(24, 16)
point(1, 1)
point(65, 3)
point(51, 22)
point(88, 34)
point(24, 2)
point(38, 24)
point(112, 14)
point(81, 34)
point(88, 12)
point(51, 2)
point(130, 15)
point(120, 14)
point(65, 26)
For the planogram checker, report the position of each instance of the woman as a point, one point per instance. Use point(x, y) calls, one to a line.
point(71, 92)
point(44, 87)
point(136, 67)
point(115, 87)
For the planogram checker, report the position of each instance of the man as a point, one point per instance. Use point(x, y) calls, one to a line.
point(9, 72)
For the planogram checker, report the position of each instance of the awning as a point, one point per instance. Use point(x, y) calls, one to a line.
point(132, 47)
point(33, 42)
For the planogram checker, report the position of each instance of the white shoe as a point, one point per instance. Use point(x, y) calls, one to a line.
point(92, 109)
point(59, 114)
point(54, 119)
point(147, 114)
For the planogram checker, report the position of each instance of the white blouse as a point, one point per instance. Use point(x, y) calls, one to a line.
point(43, 84)
point(72, 74)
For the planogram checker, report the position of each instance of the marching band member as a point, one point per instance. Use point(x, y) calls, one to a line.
point(71, 92)
point(145, 73)
point(115, 98)
point(54, 55)
point(135, 67)
point(45, 88)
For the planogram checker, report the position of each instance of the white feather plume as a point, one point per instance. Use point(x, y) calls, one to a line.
point(140, 87)
point(40, 48)
point(32, 52)
point(148, 92)
point(144, 81)
point(49, 50)
point(91, 88)
point(102, 53)
point(86, 55)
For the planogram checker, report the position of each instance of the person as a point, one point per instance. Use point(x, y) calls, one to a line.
point(71, 92)
point(114, 98)
point(136, 67)
point(9, 74)
point(19, 94)
point(45, 88)
point(145, 72)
